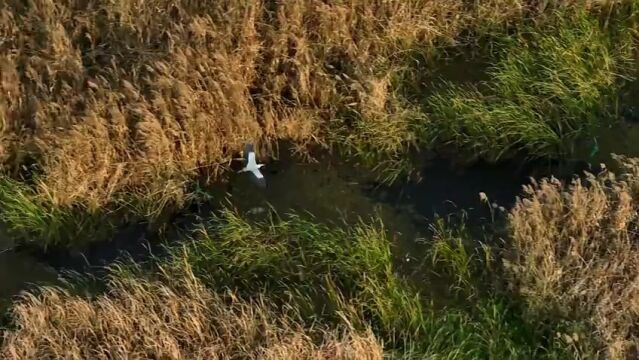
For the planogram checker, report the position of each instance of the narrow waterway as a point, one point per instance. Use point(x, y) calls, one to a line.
point(337, 192)
point(328, 191)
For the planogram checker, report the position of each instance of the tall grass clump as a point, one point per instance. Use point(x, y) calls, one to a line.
point(125, 99)
point(30, 218)
point(380, 129)
point(552, 85)
point(289, 288)
point(453, 255)
point(326, 270)
point(169, 318)
point(575, 254)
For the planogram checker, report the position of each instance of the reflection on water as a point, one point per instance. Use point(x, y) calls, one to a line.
point(18, 272)
point(621, 138)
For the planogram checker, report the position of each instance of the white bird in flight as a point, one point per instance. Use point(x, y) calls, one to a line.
point(253, 166)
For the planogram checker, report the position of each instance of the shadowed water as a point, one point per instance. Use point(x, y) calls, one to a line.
point(19, 271)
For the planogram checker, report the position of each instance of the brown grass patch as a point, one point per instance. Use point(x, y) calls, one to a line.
point(576, 254)
point(129, 96)
point(141, 319)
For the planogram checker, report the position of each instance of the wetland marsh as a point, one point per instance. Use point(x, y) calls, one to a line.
point(435, 186)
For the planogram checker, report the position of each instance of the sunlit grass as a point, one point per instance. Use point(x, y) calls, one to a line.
point(567, 245)
point(143, 98)
point(172, 318)
point(554, 84)
point(343, 277)
point(290, 276)
point(125, 113)
point(143, 93)
point(30, 218)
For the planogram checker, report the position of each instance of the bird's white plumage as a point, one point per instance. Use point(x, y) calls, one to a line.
point(252, 165)
point(257, 174)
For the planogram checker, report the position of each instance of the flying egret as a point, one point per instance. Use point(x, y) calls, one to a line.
point(253, 166)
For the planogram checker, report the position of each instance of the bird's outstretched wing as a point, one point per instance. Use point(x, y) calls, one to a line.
point(248, 148)
point(258, 178)
point(251, 162)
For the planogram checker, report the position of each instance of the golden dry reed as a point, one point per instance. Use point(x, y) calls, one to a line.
point(576, 254)
point(113, 98)
point(140, 319)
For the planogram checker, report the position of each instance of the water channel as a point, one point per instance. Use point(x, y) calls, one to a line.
point(334, 191)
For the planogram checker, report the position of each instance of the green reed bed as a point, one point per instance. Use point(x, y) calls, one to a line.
point(31, 218)
point(553, 80)
point(317, 279)
point(552, 85)
point(347, 277)
point(322, 269)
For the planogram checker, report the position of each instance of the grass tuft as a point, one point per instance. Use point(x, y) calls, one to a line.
point(574, 254)
point(450, 254)
point(554, 84)
point(297, 260)
point(31, 219)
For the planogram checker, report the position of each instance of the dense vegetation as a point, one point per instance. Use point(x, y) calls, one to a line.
point(549, 88)
point(324, 283)
point(111, 110)
point(289, 287)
